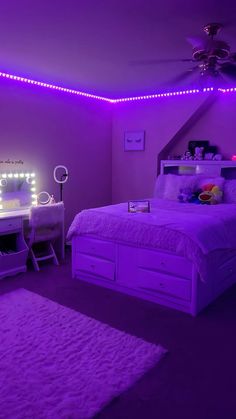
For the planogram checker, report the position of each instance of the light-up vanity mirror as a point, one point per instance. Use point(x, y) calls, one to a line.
point(17, 191)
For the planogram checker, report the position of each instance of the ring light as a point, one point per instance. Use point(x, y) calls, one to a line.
point(62, 178)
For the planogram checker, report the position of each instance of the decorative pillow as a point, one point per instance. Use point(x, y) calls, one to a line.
point(169, 186)
point(175, 183)
point(230, 191)
point(204, 180)
point(160, 186)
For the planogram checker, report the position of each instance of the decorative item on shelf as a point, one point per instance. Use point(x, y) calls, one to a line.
point(187, 156)
point(60, 175)
point(233, 158)
point(195, 143)
point(208, 156)
point(198, 153)
point(217, 157)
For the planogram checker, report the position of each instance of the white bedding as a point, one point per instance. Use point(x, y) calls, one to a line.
point(189, 230)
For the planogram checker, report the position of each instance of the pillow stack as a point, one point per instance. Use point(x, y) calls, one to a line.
point(193, 188)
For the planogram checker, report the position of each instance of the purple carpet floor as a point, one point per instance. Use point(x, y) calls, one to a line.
point(58, 363)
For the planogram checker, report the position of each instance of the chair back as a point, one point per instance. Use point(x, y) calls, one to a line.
point(44, 216)
point(46, 223)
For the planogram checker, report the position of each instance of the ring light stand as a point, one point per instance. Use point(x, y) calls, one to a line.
point(62, 179)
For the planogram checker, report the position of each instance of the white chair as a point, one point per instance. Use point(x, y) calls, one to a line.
point(46, 224)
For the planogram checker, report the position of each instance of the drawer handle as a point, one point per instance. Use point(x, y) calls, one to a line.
point(92, 266)
point(162, 285)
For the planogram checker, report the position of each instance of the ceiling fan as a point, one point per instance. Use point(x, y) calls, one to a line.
point(211, 57)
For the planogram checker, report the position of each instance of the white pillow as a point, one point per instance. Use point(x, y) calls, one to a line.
point(230, 191)
point(159, 188)
point(168, 186)
point(204, 180)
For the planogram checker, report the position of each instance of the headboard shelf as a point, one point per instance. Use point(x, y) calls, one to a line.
point(225, 168)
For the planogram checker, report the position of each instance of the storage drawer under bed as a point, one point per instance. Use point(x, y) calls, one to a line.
point(95, 266)
point(94, 247)
point(152, 281)
point(164, 262)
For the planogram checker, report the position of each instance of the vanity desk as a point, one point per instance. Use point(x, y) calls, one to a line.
point(17, 196)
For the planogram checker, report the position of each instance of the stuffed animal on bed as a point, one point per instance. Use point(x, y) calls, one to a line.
point(185, 195)
point(211, 194)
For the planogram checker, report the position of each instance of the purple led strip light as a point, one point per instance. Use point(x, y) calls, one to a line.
point(126, 99)
point(52, 86)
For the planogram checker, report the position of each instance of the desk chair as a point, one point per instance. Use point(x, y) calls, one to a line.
point(45, 226)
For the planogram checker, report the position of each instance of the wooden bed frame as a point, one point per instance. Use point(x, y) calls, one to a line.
point(156, 275)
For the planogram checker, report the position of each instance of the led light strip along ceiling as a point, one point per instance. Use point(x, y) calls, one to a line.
point(105, 99)
point(30, 178)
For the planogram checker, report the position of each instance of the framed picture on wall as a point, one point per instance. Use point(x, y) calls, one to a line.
point(134, 141)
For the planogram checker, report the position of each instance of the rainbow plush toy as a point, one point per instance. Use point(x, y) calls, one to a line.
point(211, 194)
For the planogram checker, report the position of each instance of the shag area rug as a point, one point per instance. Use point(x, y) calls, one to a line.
point(57, 363)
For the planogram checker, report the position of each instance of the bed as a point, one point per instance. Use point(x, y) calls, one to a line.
point(179, 255)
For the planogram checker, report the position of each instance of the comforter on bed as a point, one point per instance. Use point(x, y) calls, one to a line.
point(186, 229)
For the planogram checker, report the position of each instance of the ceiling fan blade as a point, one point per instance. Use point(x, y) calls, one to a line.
point(228, 69)
point(159, 61)
point(184, 76)
point(196, 41)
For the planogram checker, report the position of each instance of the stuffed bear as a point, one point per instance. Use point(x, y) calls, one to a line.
point(198, 153)
point(185, 195)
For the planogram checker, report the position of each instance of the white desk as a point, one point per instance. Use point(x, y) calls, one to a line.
point(23, 213)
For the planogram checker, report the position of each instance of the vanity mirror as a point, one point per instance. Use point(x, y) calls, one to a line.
point(17, 191)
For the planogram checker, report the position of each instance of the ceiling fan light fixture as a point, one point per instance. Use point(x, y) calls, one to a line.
point(212, 29)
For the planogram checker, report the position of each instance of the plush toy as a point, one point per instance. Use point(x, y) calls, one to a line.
point(211, 194)
point(185, 195)
point(187, 156)
point(198, 153)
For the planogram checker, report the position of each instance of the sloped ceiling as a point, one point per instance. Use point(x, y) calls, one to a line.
point(91, 44)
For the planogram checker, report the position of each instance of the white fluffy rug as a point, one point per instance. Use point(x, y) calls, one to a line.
point(57, 363)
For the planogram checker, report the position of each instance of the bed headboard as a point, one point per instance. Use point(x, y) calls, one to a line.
point(225, 168)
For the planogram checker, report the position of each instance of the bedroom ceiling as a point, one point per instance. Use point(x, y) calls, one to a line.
point(91, 44)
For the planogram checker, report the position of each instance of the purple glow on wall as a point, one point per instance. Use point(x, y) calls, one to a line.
point(52, 86)
point(110, 100)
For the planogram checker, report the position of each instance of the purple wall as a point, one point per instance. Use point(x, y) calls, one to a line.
point(46, 128)
point(133, 173)
point(217, 125)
